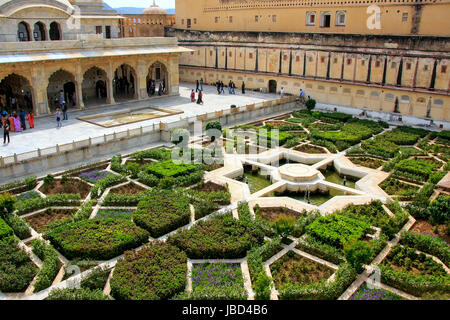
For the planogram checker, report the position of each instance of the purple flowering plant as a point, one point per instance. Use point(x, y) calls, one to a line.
point(217, 275)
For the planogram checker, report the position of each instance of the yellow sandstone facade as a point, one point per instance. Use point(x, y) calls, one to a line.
point(402, 68)
point(390, 17)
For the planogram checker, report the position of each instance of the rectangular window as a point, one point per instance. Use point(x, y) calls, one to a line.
point(322, 59)
point(195, 20)
point(188, 23)
point(256, 18)
point(335, 60)
point(363, 62)
point(405, 17)
point(297, 58)
point(349, 61)
point(182, 21)
point(425, 68)
point(210, 53)
point(250, 55)
point(325, 19)
point(393, 65)
point(377, 64)
point(216, 19)
point(274, 18)
point(310, 18)
point(285, 57)
point(443, 69)
point(230, 54)
point(231, 19)
point(408, 66)
point(98, 29)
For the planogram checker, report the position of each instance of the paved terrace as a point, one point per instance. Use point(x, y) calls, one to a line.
point(46, 134)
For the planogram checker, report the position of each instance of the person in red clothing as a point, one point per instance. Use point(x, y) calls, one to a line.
point(11, 123)
point(192, 96)
point(31, 120)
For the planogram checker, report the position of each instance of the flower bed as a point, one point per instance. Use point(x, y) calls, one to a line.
point(367, 162)
point(364, 293)
point(130, 188)
point(162, 211)
point(218, 280)
point(415, 170)
point(293, 268)
point(93, 176)
point(115, 214)
point(380, 147)
point(400, 137)
point(28, 196)
point(275, 213)
point(50, 265)
point(158, 271)
point(221, 238)
point(337, 230)
point(97, 239)
point(307, 148)
point(70, 186)
point(16, 269)
point(24, 207)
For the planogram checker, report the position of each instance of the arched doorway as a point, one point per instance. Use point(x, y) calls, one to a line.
point(23, 31)
point(39, 33)
point(55, 32)
point(157, 80)
point(272, 86)
point(94, 87)
point(15, 94)
point(124, 83)
point(61, 82)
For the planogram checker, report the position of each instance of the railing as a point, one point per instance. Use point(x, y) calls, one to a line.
point(131, 133)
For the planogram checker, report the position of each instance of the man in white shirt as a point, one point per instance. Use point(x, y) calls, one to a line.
point(282, 92)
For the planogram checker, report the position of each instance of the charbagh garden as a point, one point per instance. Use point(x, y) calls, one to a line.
point(144, 226)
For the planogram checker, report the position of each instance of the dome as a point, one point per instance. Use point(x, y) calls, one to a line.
point(154, 9)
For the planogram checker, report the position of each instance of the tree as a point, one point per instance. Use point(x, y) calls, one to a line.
point(310, 104)
point(180, 137)
point(440, 210)
point(6, 204)
point(213, 130)
point(357, 254)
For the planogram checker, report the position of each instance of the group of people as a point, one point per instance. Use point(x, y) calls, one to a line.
point(15, 123)
point(199, 97)
point(231, 87)
point(152, 87)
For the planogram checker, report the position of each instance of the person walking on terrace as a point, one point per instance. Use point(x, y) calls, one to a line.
point(221, 87)
point(200, 98)
point(58, 118)
point(196, 85)
point(31, 120)
point(192, 96)
point(22, 120)
point(201, 84)
point(17, 123)
point(243, 87)
point(11, 123)
point(6, 132)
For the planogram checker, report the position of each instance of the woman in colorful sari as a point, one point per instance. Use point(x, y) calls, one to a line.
point(12, 128)
point(17, 124)
point(31, 119)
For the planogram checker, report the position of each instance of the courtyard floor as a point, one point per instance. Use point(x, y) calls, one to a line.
point(47, 135)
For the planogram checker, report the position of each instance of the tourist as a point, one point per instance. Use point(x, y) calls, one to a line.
point(192, 96)
point(200, 98)
point(11, 123)
point(64, 110)
point(230, 86)
point(6, 132)
point(164, 86)
point(58, 118)
point(221, 87)
point(17, 123)
point(282, 92)
point(13, 103)
point(243, 87)
point(74, 99)
point(22, 120)
point(160, 89)
point(218, 86)
point(302, 95)
point(201, 84)
point(233, 87)
point(31, 120)
point(197, 85)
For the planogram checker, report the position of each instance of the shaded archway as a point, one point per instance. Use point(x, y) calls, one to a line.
point(39, 32)
point(16, 94)
point(55, 31)
point(157, 80)
point(23, 31)
point(272, 86)
point(124, 83)
point(94, 87)
point(61, 86)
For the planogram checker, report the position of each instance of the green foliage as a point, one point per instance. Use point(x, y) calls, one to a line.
point(157, 154)
point(5, 230)
point(320, 291)
point(56, 200)
point(310, 104)
point(101, 185)
point(337, 230)
point(26, 184)
point(16, 269)
point(321, 250)
point(258, 254)
point(222, 237)
point(49, 180)
point(400, 137)
point(148, 179)
point(19, 226)
point(156, 272)
point(6, 203)
point(262, 286)
point(100, 239)
point(418, 169)
point(50, 266)
point(284, 225)
point(124, 200)
point(76, 294)
point(133, 168)
point(169, 169)
point(357, 254)
point(180, 136)
point(96, 279)
point(437, 176)
point(117, 166)
point(162, 211)
point(440, 210)
point(445, 135)
point(213, 125)
point(428, 244)
point(380, 147)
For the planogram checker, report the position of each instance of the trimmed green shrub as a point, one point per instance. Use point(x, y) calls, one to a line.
point(76, 294)
point(19, 226)
point(5, 230)
point(440, 210)
point(428, 244)
point(16, 269)
point(380, 147)
point(162, 211)
point(156, 272)
point(50, 266)
point(96, 279)
point(221, 237)
point(27, 206)
point(169, 169)
point(310, 104)
point(101, 185)
point(156, 154)
point(357, 254)
point(99, 239)
point(6, 203)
